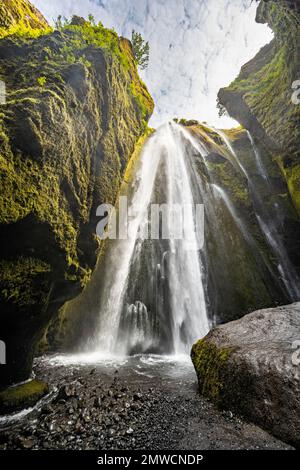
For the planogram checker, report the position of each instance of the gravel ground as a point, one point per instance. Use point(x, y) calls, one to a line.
point(138, 405)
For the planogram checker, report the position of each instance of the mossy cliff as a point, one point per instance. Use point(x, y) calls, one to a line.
point(21, 17)
point(241, 272)
point(261, 98)
point(245, 365)
point(77, 319)
point(75, 109)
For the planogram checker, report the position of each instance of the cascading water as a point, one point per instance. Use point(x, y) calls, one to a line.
point(152, 298)
point(270, 218)
point(229, 236)
point(156, 293)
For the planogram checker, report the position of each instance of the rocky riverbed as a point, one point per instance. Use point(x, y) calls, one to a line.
point(140, 403)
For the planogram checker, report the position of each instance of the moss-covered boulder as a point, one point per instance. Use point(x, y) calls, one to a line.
point(261, 97)
point(251, 366)
point(75, 109)
point(23, 396)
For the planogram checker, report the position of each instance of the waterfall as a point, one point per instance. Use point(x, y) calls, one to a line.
point(159, 294)
point(270, 218)
point(153, 294)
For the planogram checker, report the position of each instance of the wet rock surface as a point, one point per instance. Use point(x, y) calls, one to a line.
point(252, 366)
point(136, 406)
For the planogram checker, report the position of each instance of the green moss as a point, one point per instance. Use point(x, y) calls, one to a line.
point(262, 80)
point(97, 36)
point(18, 281)
point(235, 133)
point(67, 325)
point(142, 99)
point(29, 188)
point(229, 180)
point(268, 95)
point(22, 396)
point(42, 81)
point(21, 30)
point(226, 173)
point(64, 148)
point(135, 156)
point(292, 176)
point(209, 361)
point(265, 84)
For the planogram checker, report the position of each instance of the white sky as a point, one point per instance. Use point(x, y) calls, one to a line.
point(196, 47)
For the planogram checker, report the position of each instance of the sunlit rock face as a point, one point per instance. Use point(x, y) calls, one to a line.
point(20, 15)
point(74, 111)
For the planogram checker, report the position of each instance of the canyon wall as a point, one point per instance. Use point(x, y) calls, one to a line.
point(247, 365)
point(75, 109)
point(265, 100)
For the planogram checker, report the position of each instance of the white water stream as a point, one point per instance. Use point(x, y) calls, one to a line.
point(174, 265)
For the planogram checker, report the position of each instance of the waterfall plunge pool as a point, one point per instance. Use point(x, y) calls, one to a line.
point(133, 367)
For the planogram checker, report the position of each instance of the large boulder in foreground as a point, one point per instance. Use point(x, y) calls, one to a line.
point(252, 366)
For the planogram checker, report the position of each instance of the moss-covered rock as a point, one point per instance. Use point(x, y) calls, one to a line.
point(261, 100)
point(75, 110)
point(209, 362)
point(22, 396)
point(67, 329)
point(22, 18)
point(247, 366)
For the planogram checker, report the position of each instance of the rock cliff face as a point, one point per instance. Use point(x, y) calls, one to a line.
point(241, 269)
point(264, 97)
point(75, 109)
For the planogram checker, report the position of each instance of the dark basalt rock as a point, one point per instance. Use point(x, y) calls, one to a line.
point(252, 367)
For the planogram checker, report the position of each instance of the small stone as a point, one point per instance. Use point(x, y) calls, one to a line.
point(137, 396)
point(47, 410)
point(27, 443)
point(129, 431)
point(66, 392)
point(97, 402)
